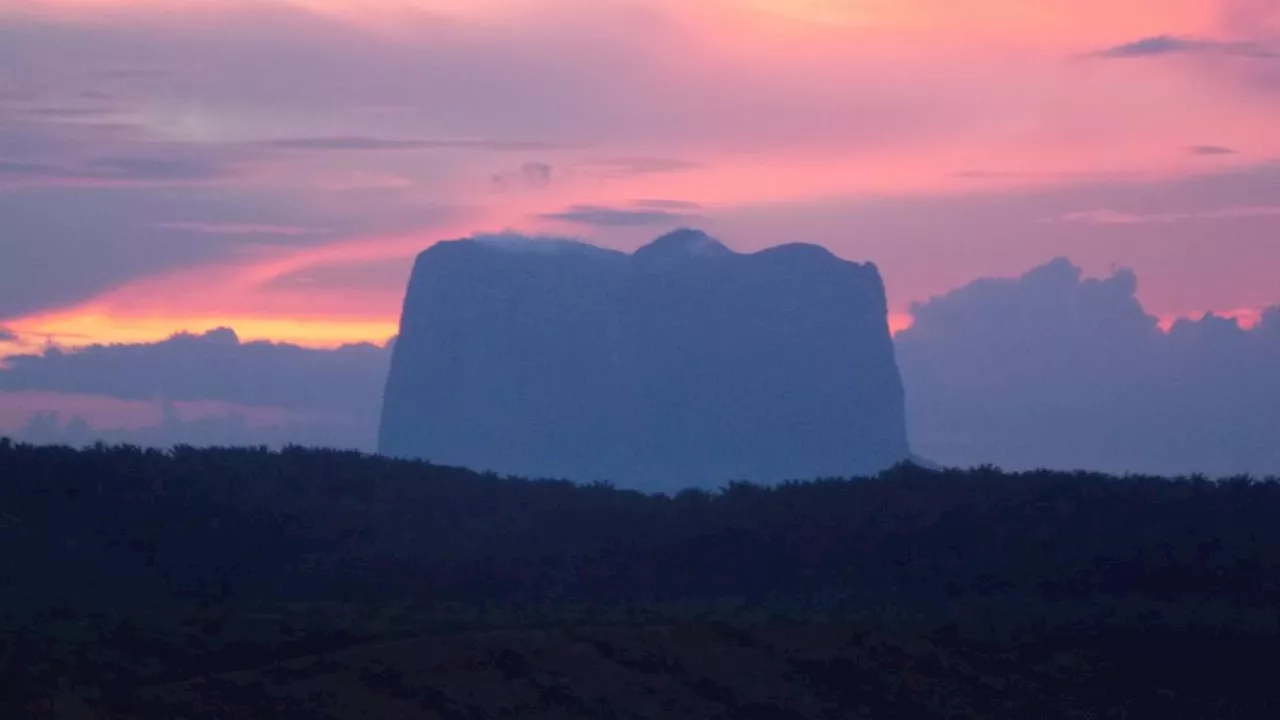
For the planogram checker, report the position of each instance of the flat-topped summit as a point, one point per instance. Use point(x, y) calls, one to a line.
point(684, 364)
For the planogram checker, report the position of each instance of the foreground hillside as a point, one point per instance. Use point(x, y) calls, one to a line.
point(704, 670)
point(246, 583)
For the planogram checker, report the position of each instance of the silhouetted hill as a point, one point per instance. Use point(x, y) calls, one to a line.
point(686, 364)
point(713, 670)
point(194, 582)
point(317, 525)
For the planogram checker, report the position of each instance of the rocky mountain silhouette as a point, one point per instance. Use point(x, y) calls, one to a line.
point(684, 364)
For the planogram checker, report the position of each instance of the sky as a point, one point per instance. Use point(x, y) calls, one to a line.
point(274, 165)
point(259, 175)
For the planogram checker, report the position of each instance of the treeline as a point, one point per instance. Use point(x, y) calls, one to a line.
point(122, 568)
point(112, 527)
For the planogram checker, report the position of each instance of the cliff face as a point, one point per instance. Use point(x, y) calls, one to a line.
point(685, 364)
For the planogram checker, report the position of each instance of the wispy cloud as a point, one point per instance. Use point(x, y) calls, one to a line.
point(157, 168)
point(131, 73)
point(1162, 45)
point(1115, 217)
point(1210, 150)
point(69, 113)
point(109, 171)
point(628, 167)
point(636, 215)
point(667, 204)
point(374, 144)
point(7, 335)
point(17, 170)
point(239, 229)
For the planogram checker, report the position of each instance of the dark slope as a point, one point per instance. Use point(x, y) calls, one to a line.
point(246, 583)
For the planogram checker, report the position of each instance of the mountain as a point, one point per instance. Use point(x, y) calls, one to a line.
point(685, 364)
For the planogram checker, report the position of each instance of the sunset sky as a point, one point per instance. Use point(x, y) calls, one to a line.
point(274, 165)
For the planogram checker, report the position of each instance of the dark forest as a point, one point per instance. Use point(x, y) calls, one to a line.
point(132, 576)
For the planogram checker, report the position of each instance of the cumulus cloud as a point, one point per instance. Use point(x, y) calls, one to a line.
point(216, 366)
point(1051, 369)
point(209, 389)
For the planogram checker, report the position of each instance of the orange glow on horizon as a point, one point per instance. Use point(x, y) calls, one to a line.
point(73, 329)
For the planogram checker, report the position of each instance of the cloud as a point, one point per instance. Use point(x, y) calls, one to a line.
point(7, 335)
point(1210, 150)
point(85, 210)
point(1114, 217)
point(667, 204)
point(27, 170)
point(69, 113)
point(134, 73)
point(179, 425)
point(114, 171)
point(630, 167)
point(212, 389)
point(347, 278)
point(533, 175)
point(1162, 45)
point(216, 366)
point(61, 245)
point(619, 217)
point(372, 144)
point(223, 228)
point(1051, 369)
point(140, 168)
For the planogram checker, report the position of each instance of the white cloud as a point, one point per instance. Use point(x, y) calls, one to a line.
point(1115, 217)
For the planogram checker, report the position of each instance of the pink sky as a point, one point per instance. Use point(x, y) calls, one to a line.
point(274, 165)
